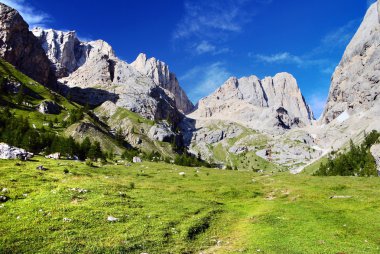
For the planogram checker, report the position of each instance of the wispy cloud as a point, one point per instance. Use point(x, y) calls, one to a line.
point(205, 79)
point(32, 16)
point(212, 18)
point(338, 38)
point(208, 24)
point(288, 58)
point(206, 47)
point(319, 56)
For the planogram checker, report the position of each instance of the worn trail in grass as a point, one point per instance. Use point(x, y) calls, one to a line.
point(159, 211)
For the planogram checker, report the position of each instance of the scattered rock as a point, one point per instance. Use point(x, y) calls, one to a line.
point(41, 167)
point(55, 156)
point(112, 219)
point(340, 197)
point(3, 199)
point(5, 190)
point(79, 190)
point(137, 160)
point(182, 173)
point(67, 220)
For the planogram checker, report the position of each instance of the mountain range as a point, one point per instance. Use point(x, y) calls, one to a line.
point(262, 119)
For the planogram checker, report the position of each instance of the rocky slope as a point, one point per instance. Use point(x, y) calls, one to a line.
point(159, 72)
point(355, 83)
point(19, 47)
point(269, 104)
point(146, 87)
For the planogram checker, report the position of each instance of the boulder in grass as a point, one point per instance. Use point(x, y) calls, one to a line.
point(41, 167)
point(8, 152)
point(55, 156)
point(3, 199)
point(137, 160)
point(112, 219)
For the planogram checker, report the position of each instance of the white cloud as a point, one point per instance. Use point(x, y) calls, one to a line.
point(204, 47)
point(209, 24)
point(32, 16)
point(212, 18)
point(284, 57)
point(288, 58)
point(205, 79)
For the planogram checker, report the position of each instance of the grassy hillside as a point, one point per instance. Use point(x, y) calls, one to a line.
point(160, 211)
point(32, 95)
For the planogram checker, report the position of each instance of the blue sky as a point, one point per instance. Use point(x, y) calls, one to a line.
point(205, 42)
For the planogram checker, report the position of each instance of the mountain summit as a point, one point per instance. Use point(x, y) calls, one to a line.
point(260, 104)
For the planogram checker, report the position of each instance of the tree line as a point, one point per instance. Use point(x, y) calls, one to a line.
point(17, 131)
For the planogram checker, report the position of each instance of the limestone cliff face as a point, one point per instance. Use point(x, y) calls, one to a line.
point(63, 49)
point(159, 72)
point(21, 48)
point(95, 74)
point(355, 83)
point(267, 103)
point(146, 87)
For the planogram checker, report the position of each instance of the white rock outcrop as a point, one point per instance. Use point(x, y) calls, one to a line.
point(95, 74)
point(161, 132)
point(159, 72)
point(355, 85)
point(259, 104)
point(8, 152)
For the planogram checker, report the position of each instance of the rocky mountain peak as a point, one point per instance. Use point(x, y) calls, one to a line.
point(159, 72)
point(271, 102)
point(19, 47)
point(355, 82)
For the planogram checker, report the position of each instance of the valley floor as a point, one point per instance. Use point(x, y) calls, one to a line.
point(159, 210)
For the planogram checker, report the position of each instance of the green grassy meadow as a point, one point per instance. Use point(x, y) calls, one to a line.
point(204, 211)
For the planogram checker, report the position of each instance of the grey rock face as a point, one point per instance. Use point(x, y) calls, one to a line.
point(375, 151)
point(9, 152)
point(95, 75)
point(258, 104)
point(355, 83)
point(49, 107)
point(21, 48)
point(63, 49)
point(159, 72)
point(161, 132)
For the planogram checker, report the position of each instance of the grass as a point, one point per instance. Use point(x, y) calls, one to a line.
point(160, 211)
point(40, 94)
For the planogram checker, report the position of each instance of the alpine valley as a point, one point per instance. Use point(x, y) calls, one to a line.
point(104, 156)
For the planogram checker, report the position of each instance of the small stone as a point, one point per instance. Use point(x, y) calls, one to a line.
point(5, 190)
point(182, 173)
point(112, 219)
point(67, 220)
point(137, 160)
point(3, 199)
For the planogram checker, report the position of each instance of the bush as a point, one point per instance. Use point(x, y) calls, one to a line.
point(131, 185)
point(89, 163)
